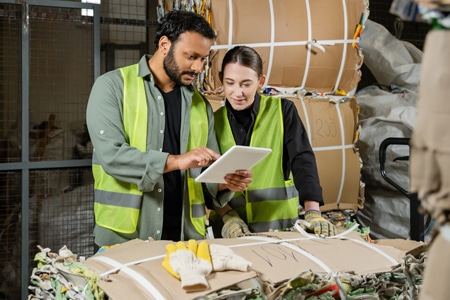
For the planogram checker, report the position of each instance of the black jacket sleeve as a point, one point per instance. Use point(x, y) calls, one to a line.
point(298, 156)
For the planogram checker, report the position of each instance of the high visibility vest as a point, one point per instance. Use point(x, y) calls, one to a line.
point(270, 202)
point(117, 204)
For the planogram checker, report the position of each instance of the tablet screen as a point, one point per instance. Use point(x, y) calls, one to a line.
point(236, 158)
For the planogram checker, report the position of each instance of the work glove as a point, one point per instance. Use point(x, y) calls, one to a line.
point(189, 264)
point(223, 258)
point(233, 225)
point(319, 225)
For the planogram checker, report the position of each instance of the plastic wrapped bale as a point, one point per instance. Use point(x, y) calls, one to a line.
point(387, 110)
point(67, 219)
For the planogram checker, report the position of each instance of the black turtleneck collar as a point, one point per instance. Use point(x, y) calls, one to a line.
point(242, 121)
point(245, 117)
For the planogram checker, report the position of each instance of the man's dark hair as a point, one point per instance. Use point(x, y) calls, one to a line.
point(177, 22)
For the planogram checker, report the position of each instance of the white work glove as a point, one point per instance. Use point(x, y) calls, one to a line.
point(223, 258)
point(189, 264)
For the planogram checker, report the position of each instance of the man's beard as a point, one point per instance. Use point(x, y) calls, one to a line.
point(173, 71)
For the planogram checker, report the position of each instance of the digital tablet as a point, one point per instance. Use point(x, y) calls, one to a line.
point(236, 158)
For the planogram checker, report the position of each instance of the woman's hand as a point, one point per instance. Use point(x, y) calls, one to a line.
point(238, 181)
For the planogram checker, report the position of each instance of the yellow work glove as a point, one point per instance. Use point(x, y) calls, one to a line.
point(189, 264)
point(233, 225)
point(318, 224)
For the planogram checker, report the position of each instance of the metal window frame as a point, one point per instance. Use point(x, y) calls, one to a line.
point(25, 165)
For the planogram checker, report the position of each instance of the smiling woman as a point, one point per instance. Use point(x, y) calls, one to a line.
point(289, 177)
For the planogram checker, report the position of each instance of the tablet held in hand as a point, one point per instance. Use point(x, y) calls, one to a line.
point(236, 158)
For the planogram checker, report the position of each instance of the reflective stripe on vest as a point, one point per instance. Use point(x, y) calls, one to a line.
point(117, 204)
point(270, 202)
point(198, 136)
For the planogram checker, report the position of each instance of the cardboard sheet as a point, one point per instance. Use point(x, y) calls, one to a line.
point(135, 270)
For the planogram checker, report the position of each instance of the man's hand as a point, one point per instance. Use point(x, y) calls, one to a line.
point(238, 181)
point(197, 158)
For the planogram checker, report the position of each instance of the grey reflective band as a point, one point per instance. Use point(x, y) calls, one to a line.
point(238, 201)
point(117, 199)
point(275, 194)
point(94, 159)
point(271, 225)
point(198, 210)
point(281, 193)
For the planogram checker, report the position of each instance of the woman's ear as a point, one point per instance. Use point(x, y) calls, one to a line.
point(262, 80)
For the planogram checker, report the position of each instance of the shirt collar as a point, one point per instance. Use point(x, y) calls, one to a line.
point(144, 69)
point(256, 104)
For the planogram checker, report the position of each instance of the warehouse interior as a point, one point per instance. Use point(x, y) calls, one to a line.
point(51, 52)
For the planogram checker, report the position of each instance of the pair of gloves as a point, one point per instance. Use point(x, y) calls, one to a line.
point(234, 226)
point(192, 263)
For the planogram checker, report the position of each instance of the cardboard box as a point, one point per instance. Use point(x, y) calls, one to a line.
point(437, 269)
point(333, 130)
point(282, 32)
point(276, 257)
point(430, 143)
point(430, 158)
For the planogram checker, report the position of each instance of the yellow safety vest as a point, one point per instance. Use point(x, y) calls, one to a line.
point(117, 204)
point(270, 202)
